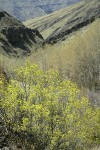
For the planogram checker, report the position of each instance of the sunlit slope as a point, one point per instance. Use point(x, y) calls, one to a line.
point(57, 26)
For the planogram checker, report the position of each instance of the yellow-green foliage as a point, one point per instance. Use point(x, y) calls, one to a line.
point(51, 110)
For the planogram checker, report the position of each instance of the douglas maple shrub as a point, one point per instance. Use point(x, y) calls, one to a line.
point(50, 110)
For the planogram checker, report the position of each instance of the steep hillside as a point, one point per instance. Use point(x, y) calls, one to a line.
point(15, 38)
point(59, 25)
point(24, 10)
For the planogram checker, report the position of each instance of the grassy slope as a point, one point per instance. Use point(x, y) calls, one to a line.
point(41, 22)
point(64, 19)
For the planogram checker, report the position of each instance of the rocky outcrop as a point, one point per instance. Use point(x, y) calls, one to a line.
point(16, 39)
point(20, 35)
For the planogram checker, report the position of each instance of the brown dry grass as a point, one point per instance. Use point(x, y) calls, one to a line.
point(78, 57)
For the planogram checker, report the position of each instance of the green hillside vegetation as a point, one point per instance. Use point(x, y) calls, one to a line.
point(44, 112)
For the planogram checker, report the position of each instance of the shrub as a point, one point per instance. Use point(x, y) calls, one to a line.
point(49, 111)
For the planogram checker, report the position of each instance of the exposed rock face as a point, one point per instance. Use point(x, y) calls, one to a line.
point(63, 23)
point(25, 10)
point(15, 37)
point(19, 37)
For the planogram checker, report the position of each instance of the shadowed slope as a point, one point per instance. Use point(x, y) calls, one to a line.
point(15, 38)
